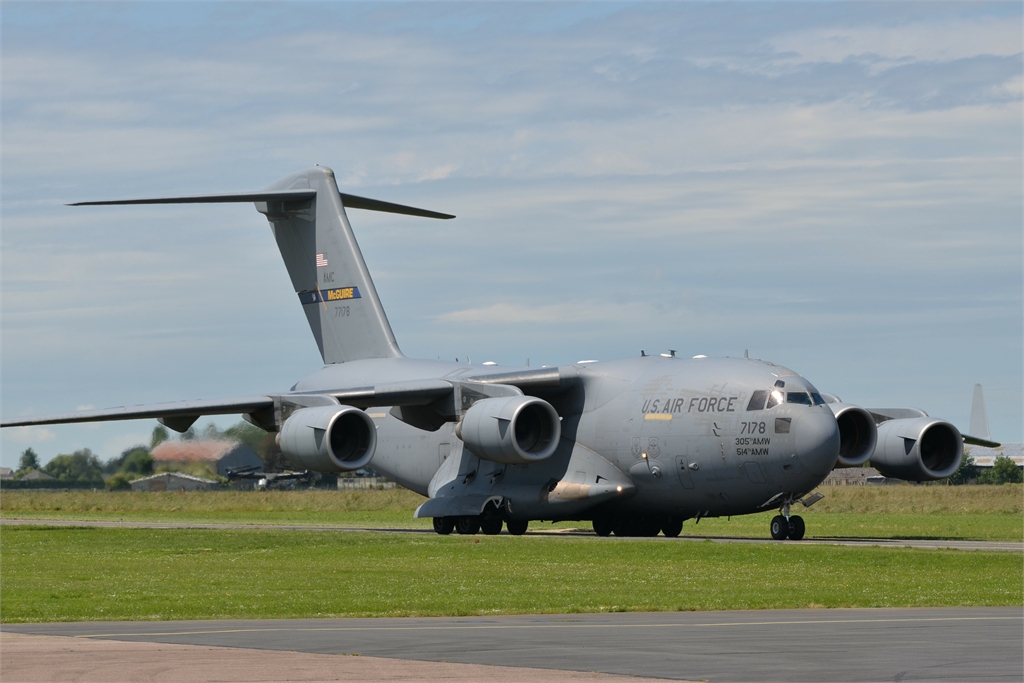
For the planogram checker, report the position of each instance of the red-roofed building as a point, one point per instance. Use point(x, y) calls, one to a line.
point(223, 455)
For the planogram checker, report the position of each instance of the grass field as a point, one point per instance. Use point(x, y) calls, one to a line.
point(993, 513)
point(71, 574)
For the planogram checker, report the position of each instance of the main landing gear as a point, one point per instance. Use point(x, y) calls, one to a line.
point(469, 525)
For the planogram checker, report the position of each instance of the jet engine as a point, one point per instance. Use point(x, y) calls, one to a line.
point(510, 429)
point(857, 434)
point(918, 449)
point(329, 438)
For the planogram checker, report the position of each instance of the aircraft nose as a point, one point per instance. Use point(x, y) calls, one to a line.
point(817, 440)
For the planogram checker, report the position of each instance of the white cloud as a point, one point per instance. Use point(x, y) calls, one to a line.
point(30, 435)
point(885, 47)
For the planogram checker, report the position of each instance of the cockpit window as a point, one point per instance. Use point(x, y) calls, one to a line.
point(816, 397)
point(757, 400)
point(799, 397)
point(774, 399)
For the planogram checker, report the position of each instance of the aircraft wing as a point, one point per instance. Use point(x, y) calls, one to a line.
point(266, 410)
point(173, 415)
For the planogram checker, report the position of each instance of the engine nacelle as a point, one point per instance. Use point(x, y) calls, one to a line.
point(329, 438)
point(511, 429)
point(918, 449)
point(857, 434)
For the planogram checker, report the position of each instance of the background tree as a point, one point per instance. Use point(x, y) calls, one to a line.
point(29, 461)
point(273, 459)
point(1003, 471)
point(138, 461)
point(159, 436)
point(79, 466)
point(247, 433)
point(967, 471)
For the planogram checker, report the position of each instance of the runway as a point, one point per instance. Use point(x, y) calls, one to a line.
point(948, 644)
point(954, 544)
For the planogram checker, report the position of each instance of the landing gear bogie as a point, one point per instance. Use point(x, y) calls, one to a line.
point(444, 525)
point(467, 524)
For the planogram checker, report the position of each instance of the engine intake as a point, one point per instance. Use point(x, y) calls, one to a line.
point(857, 434)
point(329, 438)
point(511, 429)
point(918, 449)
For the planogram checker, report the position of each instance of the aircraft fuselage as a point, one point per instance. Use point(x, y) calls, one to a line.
point(651, 436)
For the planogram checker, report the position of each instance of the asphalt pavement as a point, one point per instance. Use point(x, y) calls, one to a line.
point(927, 644)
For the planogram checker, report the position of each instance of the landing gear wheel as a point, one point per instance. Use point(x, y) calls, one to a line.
point(491, 525)
point(796, 527)
point(780, 528)
point(602, 526)
point(672, 528)
point(649, 528)
point(468, 525)
point(517, 527)
point(444, 525)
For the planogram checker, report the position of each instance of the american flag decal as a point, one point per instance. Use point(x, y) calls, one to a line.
point(321, 261)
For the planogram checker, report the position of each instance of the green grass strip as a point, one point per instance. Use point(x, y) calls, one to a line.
point(61, 574)
point(976, 513)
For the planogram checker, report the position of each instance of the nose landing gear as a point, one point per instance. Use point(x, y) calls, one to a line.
point(785, 526)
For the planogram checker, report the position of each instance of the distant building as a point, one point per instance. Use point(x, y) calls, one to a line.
point(853, 476)
point(173, 481)
point(986, 457)
point(222, 455)
point(6, 473)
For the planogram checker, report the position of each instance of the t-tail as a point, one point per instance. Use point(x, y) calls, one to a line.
point(307, 215)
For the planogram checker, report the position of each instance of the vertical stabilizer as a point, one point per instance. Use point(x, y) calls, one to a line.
point(327, 270)
point(979, 416)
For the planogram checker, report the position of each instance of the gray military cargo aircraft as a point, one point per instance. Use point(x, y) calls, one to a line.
point(636, 446)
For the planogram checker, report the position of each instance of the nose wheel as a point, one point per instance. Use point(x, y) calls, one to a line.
point(789, 526)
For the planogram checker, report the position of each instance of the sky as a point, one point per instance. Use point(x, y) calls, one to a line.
point(834, 187)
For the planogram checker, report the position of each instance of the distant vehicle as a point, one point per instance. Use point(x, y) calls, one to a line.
point(636, 446)
point(270, 480)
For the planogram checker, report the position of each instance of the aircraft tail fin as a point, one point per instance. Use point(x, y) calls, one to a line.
point(327, 268)
point(307, 215)
point(979, 416)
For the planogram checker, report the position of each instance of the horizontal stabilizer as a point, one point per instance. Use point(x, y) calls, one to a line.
point(350, 201)
point(268, 196)
point(353, 202)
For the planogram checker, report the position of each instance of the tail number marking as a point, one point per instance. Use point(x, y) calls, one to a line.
point(752, 427)
point(341, 311)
